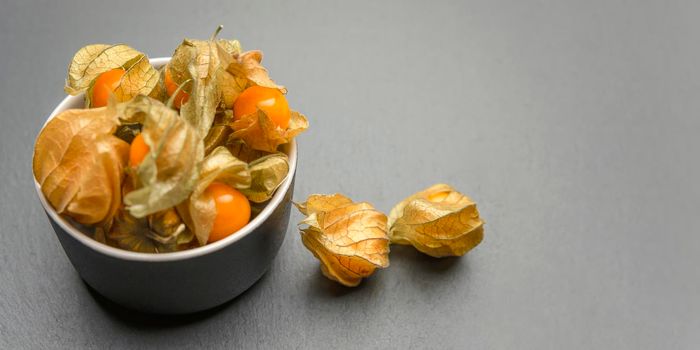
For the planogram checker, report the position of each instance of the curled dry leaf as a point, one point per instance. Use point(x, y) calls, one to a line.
point(140, 78)
point(158, 233)
point(205, 94)
point(248, 66)
point(170, 170)
point(204, 62)
point(267, 174)
point(160, 91)
point(92, 60)
point(259, 132)
point(348, 238)
point(241, 151)
point(437, 221)
point(101, 179)
point(231, 47)
point(178, 67)
point(230, 85)
point(79, 165)
point(219, 131)
point(183, 55)
point(320, 202)
point(199, 211)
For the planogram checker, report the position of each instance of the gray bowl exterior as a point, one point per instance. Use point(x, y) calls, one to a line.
point(185, 285)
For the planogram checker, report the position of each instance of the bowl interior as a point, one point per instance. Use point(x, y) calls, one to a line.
point(290, 149)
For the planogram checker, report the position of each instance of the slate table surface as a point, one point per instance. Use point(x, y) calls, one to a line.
point(573, 124)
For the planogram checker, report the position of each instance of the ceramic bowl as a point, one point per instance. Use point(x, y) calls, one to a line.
point(179, 282)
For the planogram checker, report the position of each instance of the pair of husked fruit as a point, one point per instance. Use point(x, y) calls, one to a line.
point(351, 239)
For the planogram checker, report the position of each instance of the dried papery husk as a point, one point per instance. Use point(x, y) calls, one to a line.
point(259, 132)
point(140, 78)
point(267, 174)
point(170, 170)
point(248, 66)
point(437, 221)
point(199, 210)
point(204, 62)
point(160, 232)
point(79, 165)
point(241, 151)
point(219, 132)
point(348, 238)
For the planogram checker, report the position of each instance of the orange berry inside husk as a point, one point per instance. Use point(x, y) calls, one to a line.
point(232, 210)
point(138, 150)
point(171, 87)
point(104, 85)
point(269, 100)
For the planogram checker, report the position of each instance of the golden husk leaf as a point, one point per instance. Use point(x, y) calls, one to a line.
point(349, 239)
point(79, 165)
point(103, 178)
point(241, 151)
point(183, 55)
point(204, 62)
point(159, 91)
point(92, 60)
point(248, 65)
point(199, 211)
point(205, 94)
point(180, 61)
point(267, 174)
point(437, 221)
point(170, 170)
point(140, 79)
point(322, 202)
point(232, 47)
point(230, 86)
point(259, 132)
point(219, 131)
point(157, 233)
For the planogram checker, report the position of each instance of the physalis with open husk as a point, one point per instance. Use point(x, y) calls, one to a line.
point(199, 210)
point(260, 132)
point(437, 221)
point(200, 64)
point(349, 239)
point(167, 174)
point(102, 70)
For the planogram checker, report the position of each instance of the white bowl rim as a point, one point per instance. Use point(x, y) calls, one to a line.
point(117, 253)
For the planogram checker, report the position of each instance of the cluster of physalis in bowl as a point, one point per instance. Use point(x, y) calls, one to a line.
point(167, 158)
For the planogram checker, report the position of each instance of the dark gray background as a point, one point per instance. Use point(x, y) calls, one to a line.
point(572, 124)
